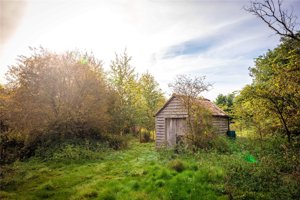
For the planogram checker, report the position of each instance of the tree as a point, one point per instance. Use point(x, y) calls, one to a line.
point(153, 98)
point(225, 102)
point(138, 97)
point(276, 17)
point(46, 88)
point(189, 90)
point(3, 102)
point(123, 80)
point(275, 89)
point(252, 114)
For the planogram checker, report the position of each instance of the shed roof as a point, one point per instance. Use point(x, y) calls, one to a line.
point(216, 111)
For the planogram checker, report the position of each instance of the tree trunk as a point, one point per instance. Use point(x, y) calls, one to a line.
point(288, 133)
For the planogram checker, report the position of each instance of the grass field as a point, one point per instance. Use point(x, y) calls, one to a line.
point(142, 172)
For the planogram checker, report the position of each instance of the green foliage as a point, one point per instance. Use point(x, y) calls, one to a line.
point(138, 98)
point(153, 98)
point(108, 195)
point(200, 132)
point(145, 136)
point(53, 97)
point(272, 101)
point(124, 81)
point(225, 102)
point(12, 145)
point(221, 144)
point(202, 184)
point(265, 171)
point(260, 180)
point(199, 118)
point(116, 142)
point(46, 87)
point(60, 143)
point(140, 172)
point(177, 165)
point(71, 152)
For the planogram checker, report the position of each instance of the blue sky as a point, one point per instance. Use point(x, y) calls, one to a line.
point(215, 38)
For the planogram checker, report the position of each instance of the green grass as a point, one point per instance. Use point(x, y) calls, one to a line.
point(142, 172)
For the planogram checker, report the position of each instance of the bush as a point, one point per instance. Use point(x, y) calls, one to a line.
point(275, 175)
point(221, 144)
point(251, 180)
point(177, 165)
point(64, 139)
point(117, 142)
point(74, 153)
point(11, 147)
point(210, 142)
point(15, 145)
point(145, 136)
point(203, 141)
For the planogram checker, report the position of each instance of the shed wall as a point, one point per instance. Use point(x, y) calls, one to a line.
point(221, 124)
point(174, 109)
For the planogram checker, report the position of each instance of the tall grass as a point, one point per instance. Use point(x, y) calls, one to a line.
point(142, 172)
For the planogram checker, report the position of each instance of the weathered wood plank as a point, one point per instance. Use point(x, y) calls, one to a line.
point(175, 109)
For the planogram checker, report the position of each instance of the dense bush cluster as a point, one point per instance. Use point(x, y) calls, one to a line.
point(275, 174)
point(51, 98)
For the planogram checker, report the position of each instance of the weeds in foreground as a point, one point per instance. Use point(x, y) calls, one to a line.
point(142, 172)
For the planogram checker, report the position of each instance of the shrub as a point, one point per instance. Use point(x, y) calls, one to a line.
point(182, 148)
point(221, 144)
point(11, 146)
point(74, 153)
point(145, 137)
point(55, 139)
point(203, 141)
point(177, 165)
point(117, 142)
point(274, 176)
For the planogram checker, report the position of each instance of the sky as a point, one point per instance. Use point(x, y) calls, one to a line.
point(212, 38)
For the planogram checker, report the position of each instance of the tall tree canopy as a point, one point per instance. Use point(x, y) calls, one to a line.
point(47, 87)
point(272, 101)
point(153, 98)
point(139, 96)
point(275, 90)
point(123, 79)
point(225, 102)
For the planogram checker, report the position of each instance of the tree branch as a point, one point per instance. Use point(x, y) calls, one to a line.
point(273, 14)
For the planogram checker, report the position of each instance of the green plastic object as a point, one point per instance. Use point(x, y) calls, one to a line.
point(231, 134)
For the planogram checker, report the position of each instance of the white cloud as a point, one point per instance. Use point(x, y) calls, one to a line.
point(148, 29)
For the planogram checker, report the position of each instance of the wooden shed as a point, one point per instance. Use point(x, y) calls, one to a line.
point(170, 120)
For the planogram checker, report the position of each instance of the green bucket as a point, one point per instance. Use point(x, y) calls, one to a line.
point(231, 134)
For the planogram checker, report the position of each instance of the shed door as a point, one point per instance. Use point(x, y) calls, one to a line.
point(175, 127)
